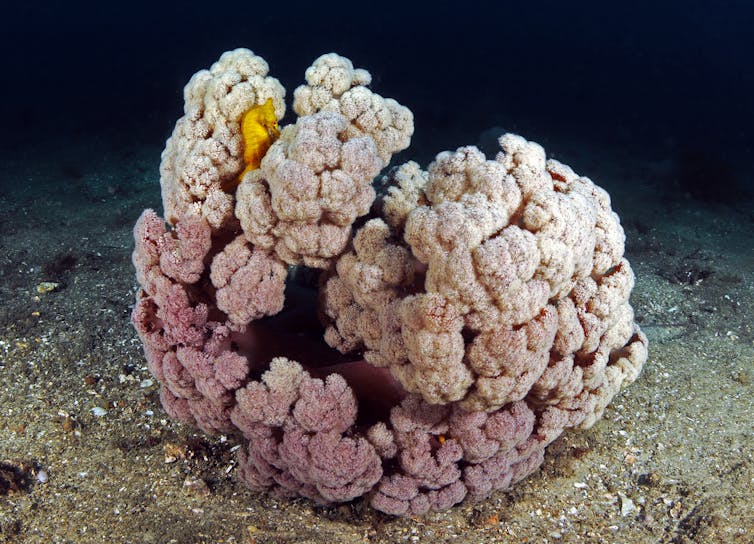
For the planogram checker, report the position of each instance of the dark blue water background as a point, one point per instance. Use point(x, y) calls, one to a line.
point(662, 80)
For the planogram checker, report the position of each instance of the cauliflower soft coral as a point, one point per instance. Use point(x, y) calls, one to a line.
point(334, 85)
point(205, 151)
point(490, 275)
point(482, 307)
point(206, 282)
point(313, 183)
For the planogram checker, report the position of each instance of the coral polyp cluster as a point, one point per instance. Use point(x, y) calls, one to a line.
point(464, 317)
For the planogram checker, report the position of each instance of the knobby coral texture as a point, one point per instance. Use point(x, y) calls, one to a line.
point(468, 314)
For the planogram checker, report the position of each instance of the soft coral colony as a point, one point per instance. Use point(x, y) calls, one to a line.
point(478, 308)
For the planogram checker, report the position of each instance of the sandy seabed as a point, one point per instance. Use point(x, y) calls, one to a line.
point(88, 455)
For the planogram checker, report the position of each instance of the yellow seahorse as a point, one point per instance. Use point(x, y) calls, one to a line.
point(259, 128)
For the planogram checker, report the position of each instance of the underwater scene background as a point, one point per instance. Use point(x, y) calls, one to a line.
point(652, 101)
